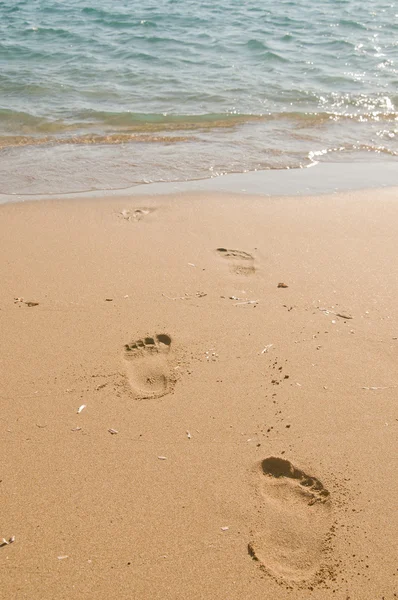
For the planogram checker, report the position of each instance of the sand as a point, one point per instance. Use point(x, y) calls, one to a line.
point(238, 439)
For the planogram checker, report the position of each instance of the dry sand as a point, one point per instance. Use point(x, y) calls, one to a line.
point(255, 455)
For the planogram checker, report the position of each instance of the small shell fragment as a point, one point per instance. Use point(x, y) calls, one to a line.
point(373, 387)
point(267, 348)
point(113, 431)
point(81, 408)
point(76, 429)
point(5, 542)
point(162, 457)
point(246, 302)
point(224, 528)
point(189, 435)
point(62, 557)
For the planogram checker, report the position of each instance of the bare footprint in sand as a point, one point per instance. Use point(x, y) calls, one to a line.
point(147, 366)
point(295, 520)
point(136, 214)
point(242, 263)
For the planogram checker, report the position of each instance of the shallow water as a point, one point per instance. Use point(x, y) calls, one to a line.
point(102, 95)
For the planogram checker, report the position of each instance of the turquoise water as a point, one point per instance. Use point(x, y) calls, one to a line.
point(110, 93)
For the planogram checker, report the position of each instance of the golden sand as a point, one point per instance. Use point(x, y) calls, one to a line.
point(175, 424)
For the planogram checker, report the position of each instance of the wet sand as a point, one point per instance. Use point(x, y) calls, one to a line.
point(237, 438)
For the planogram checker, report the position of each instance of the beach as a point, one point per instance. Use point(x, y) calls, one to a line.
point(199, 396)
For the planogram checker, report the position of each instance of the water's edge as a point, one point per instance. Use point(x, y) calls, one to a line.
point(324, 178)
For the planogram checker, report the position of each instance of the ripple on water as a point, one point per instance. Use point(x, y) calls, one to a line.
point(179, 90)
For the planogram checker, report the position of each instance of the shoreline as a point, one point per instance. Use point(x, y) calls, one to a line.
point(174, 423)
point(320, 179)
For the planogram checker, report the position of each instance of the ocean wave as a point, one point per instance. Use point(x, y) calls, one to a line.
point(97, 126)
point(349, 148)
point(20, 122)
point(90, 140)
point(182, 86)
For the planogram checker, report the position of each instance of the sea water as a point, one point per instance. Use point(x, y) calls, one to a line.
point(106, 94)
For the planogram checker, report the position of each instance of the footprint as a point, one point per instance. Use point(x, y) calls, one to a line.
point(295, 508)
point(134, 215)
point(241, 262)
point(147, 366)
